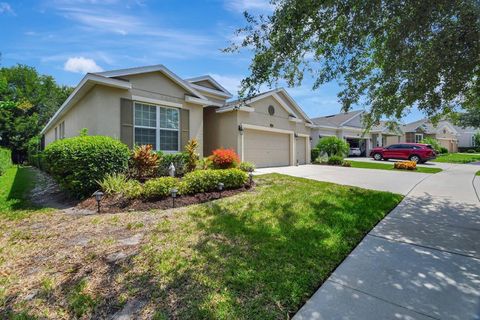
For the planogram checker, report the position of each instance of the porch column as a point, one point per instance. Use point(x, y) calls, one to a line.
point(380, 140)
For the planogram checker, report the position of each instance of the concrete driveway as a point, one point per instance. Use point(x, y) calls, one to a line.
point(421, 262)
point(383, 180)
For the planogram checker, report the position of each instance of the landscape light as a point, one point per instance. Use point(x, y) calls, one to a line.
point(220, 188)
point(98, 197)
point(173, 192)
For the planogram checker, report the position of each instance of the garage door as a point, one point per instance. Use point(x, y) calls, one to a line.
point(266, 149)
point(300, 148)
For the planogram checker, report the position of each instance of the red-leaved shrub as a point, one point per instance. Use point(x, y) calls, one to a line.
point(224, 158)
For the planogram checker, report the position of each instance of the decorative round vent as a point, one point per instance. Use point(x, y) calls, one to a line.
point(271, 110)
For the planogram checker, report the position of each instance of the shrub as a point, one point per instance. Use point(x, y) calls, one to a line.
point(178, 159)
point(347, 164)
point(314, 153)
point(5, 160)
point(247, 166)
point(224, 159)
point(405, 165)
point(133, 189)
point(113, 183)
point(191, 155)
point(335, 160)
point(78, 163)
point(143, 162)
point(434, 143)
point(159, 187)
point(443, 150)
point(333, 146)
point(471, 151)
point(207, 180)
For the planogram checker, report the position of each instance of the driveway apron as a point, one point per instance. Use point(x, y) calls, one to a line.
point(421, 262)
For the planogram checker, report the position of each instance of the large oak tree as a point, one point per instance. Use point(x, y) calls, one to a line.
point(387, 55)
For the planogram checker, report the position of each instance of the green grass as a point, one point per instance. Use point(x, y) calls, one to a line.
point(389, 166)
point(458, 158)
point(260, 255)
point(14, 187)
point(478, 173)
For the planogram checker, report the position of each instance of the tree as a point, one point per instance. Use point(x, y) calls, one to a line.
point(388, 55)
point(476, 139)
point(333, 146)
point(27, 101)
point(434, 143)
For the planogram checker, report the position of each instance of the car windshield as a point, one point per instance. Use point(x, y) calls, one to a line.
point(429, 146)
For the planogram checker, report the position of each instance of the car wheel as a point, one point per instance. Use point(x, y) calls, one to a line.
point(415, 158)
point(377, 156)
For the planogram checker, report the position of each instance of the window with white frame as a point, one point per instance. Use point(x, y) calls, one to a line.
point(473, 141)
point(157, 126)
point(61, 130)
point(418, 137)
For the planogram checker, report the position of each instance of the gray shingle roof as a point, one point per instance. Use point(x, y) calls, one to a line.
point(335, 120)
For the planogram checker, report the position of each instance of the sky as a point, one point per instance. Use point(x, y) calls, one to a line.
point(68, 38)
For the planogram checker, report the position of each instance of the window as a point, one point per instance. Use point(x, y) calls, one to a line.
point(157, 126)
point(61, 130)
point(418, 137)
point(56, 133)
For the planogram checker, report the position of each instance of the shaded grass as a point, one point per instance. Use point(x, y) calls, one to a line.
point(14, 187)
point(257, 255)
point(478, 173)
point(260, 255)
point(457, 158)
point(389, 166)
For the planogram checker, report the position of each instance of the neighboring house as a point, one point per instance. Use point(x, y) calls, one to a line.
point(152, 105)
point(443, 131)
point(450, 136)
point(349, 125)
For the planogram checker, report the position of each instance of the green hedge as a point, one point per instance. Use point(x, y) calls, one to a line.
point(78, 163)
point(207, 180)
point(5, 160)
point(178, 159)
point(159, 188)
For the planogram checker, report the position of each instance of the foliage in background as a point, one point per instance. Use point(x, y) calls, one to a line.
point(27, 101)
point(5, 160)
point(434, 143)
point(314, 153)
point(388, 56)
point(333, 146)
point(78, 163)
point(178, 159)
point(247, 166)
point(476, 139)
point(207, 180)
point(224, 158)
point(192, 154)
point(335, 160)
point(113, 183)
point(143, 162)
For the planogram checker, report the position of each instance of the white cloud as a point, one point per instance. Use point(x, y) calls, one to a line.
point(245, 5)
point(81, 65)
point(6, 8)
point(231, 83)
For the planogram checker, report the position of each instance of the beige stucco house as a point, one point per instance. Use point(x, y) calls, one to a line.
point(445, 132)
point(152, 105)
point(349, 126)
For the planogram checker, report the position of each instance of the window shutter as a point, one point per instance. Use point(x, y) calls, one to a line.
point(126, 122)
point(184, 128)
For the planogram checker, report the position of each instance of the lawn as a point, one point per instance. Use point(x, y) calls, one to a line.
point(389, 166)
point(14, 186)
point(257, 255)
point(458, 158)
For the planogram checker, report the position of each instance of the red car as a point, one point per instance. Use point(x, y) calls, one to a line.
point(417, 152)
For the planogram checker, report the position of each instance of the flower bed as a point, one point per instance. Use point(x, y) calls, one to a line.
point(405, 165)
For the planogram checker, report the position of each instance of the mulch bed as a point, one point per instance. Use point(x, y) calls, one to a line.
point(114, 204)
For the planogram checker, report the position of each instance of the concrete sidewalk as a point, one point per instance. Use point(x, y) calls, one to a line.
point(421, 262)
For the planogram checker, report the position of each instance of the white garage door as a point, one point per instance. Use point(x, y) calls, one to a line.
point(301, 149)
point(267, 149)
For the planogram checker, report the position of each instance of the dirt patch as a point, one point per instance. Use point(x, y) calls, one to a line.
point(111, 204)
point(47, 193)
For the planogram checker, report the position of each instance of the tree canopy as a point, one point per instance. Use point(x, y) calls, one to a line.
point(27, 101)
point(388, 56)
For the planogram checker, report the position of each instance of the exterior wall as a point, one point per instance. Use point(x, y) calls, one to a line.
point(465, 139)
point(321, 132)
point(393, 139)
point(99, 109)
point(220, 130)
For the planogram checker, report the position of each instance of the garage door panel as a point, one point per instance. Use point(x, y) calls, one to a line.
point(301, 151)
point(267, 149)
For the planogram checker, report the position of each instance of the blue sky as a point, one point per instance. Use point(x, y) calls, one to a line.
point(67, 38)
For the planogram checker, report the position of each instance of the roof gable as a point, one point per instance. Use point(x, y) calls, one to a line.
point(155, 68)
point(208, 84)
point(338, 120)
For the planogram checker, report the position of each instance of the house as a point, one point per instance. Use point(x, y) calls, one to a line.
point(449, 135)
point(443, 131)
point(152, 105)
point(349, 125)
